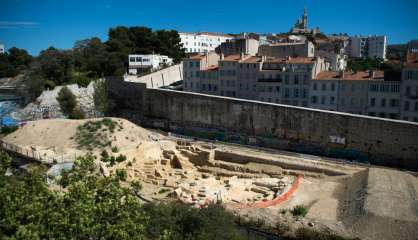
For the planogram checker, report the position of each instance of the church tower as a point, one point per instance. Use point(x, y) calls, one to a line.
point(305, 18)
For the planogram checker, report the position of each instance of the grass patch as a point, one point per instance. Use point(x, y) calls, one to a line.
point(299, 210)
point(163, 190)
point(95, 134)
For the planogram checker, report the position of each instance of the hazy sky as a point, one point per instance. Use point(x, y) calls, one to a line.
point(38, 24)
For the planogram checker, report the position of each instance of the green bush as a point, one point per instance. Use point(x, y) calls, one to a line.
point(121, 174)
point(120, 158)
point(299, 210)
point(115, 149)
point(8, 129)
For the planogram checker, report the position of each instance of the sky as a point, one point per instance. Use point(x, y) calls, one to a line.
point(37, 24)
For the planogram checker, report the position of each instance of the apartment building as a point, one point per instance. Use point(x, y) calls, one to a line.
point(293, 49)
point(147, 62)
point(202, 42)
point(245, 45)
point(277, 80)
point(193, 69)
point(409, 88)
point(364, 92)
point(303, 81)
point(2, 49)
point(367, 47)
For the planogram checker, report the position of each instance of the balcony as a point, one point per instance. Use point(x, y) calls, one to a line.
point(276, 80)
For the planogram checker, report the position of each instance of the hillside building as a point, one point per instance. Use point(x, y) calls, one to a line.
point(202, 42)
point(139, 63)
point(367, 47)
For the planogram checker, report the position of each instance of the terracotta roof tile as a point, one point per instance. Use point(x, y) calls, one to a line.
point(299, 60)
point(362, 75)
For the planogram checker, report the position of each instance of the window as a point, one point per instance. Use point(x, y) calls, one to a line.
point(296, 79)
point(408, 90)
point(286, 92)
point(416, 106)
point(394, 103)
point(353, 87)
point(304, 93)
point(314, 86)
point(332, 86)
point(139, 59)
point(324, 87)
point(296, 92)
point(131, 59)
point(305, 79)
point(383, 102)
point(277, 88)
point(332, 100)
point(373, 102)
point(314, 99)
point(406, 106)
point(323, 99)
point(286, 79)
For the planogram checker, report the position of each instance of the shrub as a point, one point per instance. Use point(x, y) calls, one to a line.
point(115, 149)
point(77, 114)
point(121, 174)
point(299, 210)
point(67, 101)
point(8, 129)
point(120, 158)
point(163, 190)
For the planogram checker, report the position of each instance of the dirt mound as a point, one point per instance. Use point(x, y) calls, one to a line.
point(55, 137)
point(381, 204)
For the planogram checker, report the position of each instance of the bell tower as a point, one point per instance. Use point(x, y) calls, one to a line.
point(305, 18)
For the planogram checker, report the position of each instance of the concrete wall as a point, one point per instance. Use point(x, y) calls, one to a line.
point(342, 135)
point(159, 78)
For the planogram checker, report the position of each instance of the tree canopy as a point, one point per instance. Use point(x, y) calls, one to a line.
point(86, 205)
point(89, 59)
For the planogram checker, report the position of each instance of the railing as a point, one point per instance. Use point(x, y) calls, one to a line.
point(36, 155)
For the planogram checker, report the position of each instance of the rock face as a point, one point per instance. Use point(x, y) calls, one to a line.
point(47, 106)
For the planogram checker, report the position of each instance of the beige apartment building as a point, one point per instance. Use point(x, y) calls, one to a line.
point(293, 49)
point(276, 80)
point(409, 99)
point(304, 81)
point(364, 92)
point(245, 45)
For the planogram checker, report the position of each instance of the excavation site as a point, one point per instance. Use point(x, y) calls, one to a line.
point(254, 183)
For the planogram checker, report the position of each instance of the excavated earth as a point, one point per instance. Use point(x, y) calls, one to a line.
point(341, 197)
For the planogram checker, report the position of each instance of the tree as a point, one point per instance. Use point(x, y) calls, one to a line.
point(67, 101)
point(56, 65)
point(101, 101)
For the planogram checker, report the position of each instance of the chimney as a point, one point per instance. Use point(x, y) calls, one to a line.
point(222, 56)
point(341, 74)
point(263, 58)
point(372, 74)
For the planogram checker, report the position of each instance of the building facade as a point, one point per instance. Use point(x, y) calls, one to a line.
point(147, 62)
point(245, 45)
point(303, 81)
point(261, 78)
point(367, 47)
point(202, 42)
point(409, 88)
point(293, 49)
